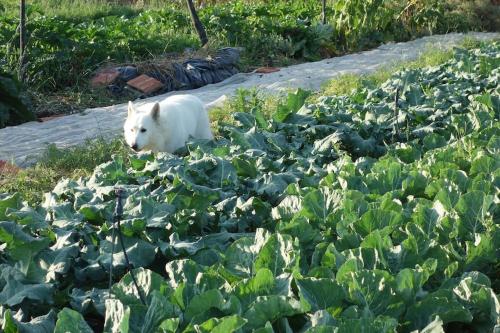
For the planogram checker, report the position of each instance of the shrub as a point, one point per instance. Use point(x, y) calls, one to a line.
point(13, 111)
point(464, 15)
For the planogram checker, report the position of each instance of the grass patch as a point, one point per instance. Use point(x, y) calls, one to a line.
point(55, 164)
point(80, 9)
point(245, 100)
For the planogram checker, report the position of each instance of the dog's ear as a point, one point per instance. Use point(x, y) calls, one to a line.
point(130, 108)
point(155, 112)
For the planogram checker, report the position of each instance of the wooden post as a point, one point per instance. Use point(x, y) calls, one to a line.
point(323, 13)
point(197, 23)
point(22, 38)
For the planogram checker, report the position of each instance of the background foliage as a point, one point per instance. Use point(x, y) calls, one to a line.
point(66, 47)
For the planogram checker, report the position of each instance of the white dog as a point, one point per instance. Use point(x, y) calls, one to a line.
point(166, 126)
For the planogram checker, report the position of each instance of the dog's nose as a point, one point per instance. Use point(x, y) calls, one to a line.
point(134, 146)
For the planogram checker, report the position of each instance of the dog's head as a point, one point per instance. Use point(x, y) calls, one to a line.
point(139, 127)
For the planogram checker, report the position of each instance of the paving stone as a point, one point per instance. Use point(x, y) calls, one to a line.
point(267, 70)
point(104, 78)
point(145, 83)
point(42, 119)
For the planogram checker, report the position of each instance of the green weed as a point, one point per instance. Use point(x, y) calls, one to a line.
point(56, 163)
point(245, 100)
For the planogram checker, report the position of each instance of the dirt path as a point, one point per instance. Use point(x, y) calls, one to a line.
point(18, 142)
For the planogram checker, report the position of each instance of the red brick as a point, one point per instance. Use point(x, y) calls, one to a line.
point(145, 83)
point(104, 78)
point(267, 70)
point(43, 119)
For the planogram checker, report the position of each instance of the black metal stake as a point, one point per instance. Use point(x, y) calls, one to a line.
point(113, 239)
point(396, 113)
point(119, 193)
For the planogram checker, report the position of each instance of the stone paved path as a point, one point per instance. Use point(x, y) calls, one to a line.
point(30, 139)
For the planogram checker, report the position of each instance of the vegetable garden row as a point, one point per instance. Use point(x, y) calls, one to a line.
point(350, 214)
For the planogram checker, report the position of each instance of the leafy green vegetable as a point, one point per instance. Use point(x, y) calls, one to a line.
point(71, 321)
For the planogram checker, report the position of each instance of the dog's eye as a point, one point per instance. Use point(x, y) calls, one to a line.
point(143, 130)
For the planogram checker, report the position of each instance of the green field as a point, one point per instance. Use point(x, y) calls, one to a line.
point(333, 213)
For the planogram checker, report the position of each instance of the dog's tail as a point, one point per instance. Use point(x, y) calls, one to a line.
point(217, 103)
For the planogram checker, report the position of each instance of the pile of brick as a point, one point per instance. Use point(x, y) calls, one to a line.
point(190, 74)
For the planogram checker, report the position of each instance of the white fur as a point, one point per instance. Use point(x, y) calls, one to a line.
point(169, 127)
